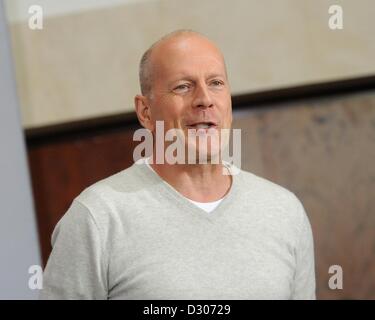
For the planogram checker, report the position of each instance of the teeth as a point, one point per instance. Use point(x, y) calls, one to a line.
point(202, 126)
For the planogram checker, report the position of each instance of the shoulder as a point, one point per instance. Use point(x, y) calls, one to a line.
point(251, 182)
point(280, 210)
point(118, 184)
point(104, 198)
point(268, 194)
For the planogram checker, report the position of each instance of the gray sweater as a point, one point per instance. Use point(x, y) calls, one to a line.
point(133, 236)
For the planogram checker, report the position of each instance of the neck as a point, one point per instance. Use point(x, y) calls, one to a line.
point(198, 182)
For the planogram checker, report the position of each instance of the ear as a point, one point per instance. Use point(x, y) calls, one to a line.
point(143, 110)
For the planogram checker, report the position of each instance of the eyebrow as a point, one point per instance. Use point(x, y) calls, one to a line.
point(184, 76)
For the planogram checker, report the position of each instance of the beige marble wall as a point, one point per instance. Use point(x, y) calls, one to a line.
point(83, 64)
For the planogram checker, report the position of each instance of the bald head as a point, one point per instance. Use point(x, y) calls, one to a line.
point(157, 54)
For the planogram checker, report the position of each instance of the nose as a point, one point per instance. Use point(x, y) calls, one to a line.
point(202, 97)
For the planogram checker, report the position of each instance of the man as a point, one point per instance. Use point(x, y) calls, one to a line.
point(182, 231)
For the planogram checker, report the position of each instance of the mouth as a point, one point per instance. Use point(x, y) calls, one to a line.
point(202, 125)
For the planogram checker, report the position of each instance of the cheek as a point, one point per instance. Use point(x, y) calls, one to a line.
point(227, 112)
point(164, 110)
point(175, 111)
point(172, 115)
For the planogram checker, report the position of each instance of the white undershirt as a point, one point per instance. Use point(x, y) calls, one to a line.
point(206, 206)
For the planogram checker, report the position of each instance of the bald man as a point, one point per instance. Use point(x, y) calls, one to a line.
point(161, 230)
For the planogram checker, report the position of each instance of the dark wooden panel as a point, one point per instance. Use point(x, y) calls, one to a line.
point(61, 169)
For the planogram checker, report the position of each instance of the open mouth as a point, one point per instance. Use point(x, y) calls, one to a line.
point(202, 125)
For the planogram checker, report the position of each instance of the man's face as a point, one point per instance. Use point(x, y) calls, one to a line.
point(190, 89)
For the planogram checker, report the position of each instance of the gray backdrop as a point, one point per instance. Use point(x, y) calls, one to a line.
point(19, 248)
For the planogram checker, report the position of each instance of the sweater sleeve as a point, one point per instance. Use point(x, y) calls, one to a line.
point(304, 280)
point(76, 268)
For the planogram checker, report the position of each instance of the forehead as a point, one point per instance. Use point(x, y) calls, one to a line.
point(185, 55)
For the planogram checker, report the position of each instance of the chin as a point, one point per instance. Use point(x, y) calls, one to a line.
point(211, 155)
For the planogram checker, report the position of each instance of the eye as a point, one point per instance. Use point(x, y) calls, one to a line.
point(182, 87)
point(217, 82)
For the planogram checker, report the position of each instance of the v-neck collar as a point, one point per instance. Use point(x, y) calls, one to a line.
point(182, 202)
